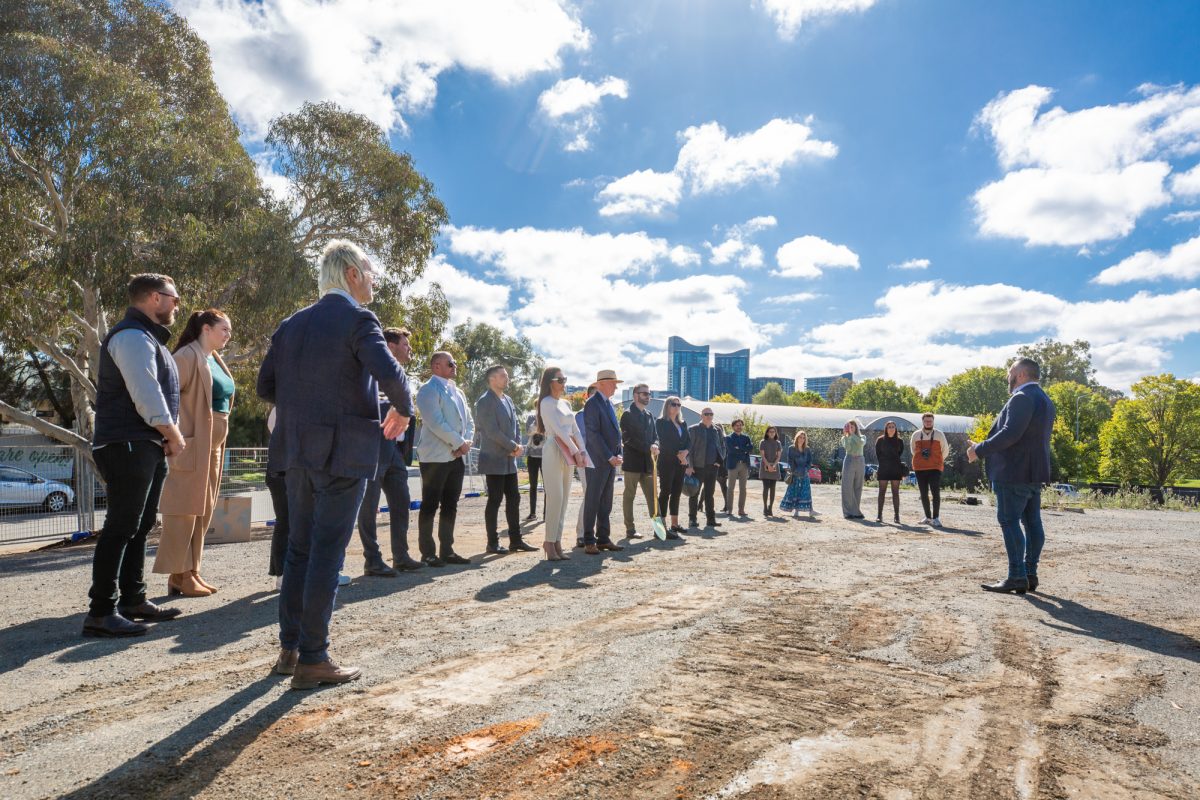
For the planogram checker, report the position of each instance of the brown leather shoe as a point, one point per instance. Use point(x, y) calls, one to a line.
point(286, 663)
point(591, 550)
point(609, 546)
point(310, 676)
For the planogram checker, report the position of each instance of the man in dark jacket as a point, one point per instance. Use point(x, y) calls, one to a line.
point(639, 437)
point(705, 455)
point(1018, 463)
point(136, 428)
point(737, 462)
point(324, 370)
point(603, 442)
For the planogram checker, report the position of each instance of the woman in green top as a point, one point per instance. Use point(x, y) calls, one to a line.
point(189, 493)
point(854, 470)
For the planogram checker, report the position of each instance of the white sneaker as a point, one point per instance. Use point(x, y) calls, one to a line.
point(343, 580)
point(278, 583)
point(925, 521)
point(935, 522)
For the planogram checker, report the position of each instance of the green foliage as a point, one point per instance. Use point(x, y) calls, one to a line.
point(723, 398)
point(878, 394)
point(806, 399)
point(480, 346)
point(837, 391)
point(979, 390)
point(1077, 458)
point(756, 426)
point(1154, 437)
point(983, 424)
point(771, 395)
point(1060, 361)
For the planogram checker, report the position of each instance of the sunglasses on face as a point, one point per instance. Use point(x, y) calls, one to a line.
point(673, 405)
point(559, 379)
point(708, 413)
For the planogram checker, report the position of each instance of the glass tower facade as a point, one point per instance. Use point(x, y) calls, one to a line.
point(731, 374)
point(687, 369)
point(821, 385)
point(758, 384)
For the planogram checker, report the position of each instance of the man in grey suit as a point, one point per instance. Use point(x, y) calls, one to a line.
point(323, 371)
point(446, 433)
point(705, 455)
point(499, 438)
point(392, 482)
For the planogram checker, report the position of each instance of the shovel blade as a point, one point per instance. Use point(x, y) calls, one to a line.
point(660, 530)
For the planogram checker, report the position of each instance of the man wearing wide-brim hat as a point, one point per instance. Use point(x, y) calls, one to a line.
point(603, 440)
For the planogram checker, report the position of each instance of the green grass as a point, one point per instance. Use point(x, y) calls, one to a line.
point(1192, 484)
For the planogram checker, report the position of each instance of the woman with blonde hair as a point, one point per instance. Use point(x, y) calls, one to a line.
point(798, 496)
point(561, 453)
point(189, 494)
point(854, 470)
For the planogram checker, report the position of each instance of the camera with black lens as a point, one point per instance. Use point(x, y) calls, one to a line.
point(926, 452)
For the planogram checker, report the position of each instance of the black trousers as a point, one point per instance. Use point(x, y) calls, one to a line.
point(534, 465)
point(929, 481)
point(441, 486)
point(133, 474)
point(723, 481)
point(708, 482)
point(502, 487)
point(392, 482)
point(769, 492)
point(277, 485)
point(670, 486)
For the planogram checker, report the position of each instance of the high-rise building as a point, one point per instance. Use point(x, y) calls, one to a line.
point(821, 385)
point(731, 374)
point(758, 384)
point(687, 369)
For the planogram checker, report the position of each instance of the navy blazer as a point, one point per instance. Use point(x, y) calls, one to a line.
point(601, 433)
point(1018, 446)
point(324, 370)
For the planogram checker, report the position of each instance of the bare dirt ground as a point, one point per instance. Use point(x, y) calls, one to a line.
point(765, 659)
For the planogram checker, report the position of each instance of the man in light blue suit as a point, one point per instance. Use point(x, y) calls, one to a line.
point(1018, 464)
point(324, 370)
point(604, 446)
point(442, 447)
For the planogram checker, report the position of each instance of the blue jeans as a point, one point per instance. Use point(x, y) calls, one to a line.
point(1017, 505)
point(321, 510)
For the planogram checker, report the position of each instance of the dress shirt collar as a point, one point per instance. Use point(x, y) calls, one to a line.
point(445, 382)
point(1023, 385)
point(345, 294)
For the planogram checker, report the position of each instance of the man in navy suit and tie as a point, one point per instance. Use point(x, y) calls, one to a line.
point(324, 370)
point(1018, 463)
point(603, 441)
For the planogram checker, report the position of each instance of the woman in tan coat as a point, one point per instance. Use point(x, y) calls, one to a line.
point(189, 494)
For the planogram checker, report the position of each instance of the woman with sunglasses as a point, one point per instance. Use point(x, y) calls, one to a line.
point(889, 449)
point(673, 443)
point(561, 453)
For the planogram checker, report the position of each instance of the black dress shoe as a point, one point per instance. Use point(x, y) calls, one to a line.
point(678, 529)
point(455, 558)
point(531, 517)
point(112, 626)
point(407, 564)
point(496, 549)
point(579, 544)
point(380, 571)
point(148, 612)
point(1032, 583)
point(671, 534)
point(1017, 585)
point(712, 523)
point(432, 561)
point(520, 546)
point(693, 523)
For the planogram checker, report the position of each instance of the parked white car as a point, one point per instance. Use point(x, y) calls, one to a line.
point(21, 488)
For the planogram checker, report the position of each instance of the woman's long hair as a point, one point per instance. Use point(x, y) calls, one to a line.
point(884, 435)
point(796, 441)
point(195, 324)
point(666, 409)
point(548, 376)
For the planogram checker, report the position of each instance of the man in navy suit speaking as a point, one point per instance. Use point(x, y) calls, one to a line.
point(603, 440)
point(324, 370)
point(1018, 464)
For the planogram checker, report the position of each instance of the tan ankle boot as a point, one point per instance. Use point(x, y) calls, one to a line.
point(185, 584)
point(204, 583)
point(310, 676)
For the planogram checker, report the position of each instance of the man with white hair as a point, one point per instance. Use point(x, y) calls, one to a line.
point(324, 370)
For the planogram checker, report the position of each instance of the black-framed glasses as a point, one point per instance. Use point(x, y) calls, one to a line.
point(673, 405)
point(174, 297)
point(707, 413)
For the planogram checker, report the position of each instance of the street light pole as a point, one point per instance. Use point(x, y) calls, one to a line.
point(1078, 397)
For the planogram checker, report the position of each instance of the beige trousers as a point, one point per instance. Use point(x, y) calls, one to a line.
point(556, 477)
point(182, 543)
point(632, 481)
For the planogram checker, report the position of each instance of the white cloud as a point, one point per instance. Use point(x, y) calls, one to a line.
point(381, 58)
point(590, 301)
point(1182, 262)
point(1075, 178)
point(912, 263)
point(468, 296)
point(573, 104)
point(1183, 216)
point(1187, 184)
point(682, 256)
point(806, 256)
point(790, 299)
point(789, 15)
point(737, 245)
point(710, 160)
point(645, 193)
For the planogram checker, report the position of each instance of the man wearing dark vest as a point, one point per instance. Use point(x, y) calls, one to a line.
point(136, 428)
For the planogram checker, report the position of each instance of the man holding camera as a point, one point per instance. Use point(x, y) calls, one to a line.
point(929, 453)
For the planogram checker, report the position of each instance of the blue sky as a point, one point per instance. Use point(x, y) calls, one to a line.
point(755, 172)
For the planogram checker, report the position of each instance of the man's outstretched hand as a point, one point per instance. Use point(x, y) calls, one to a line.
point(394, 424)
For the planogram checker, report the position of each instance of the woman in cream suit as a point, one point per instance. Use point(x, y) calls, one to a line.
point(556, 422)
point(189, 494)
